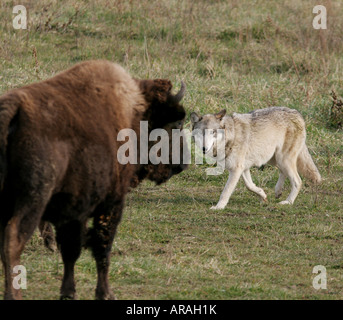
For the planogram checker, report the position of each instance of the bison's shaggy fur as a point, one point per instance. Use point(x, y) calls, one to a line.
point(58, 161)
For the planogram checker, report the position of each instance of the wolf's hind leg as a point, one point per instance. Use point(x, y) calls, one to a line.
point(279, 185)
point(289, 168)
point(252, 186)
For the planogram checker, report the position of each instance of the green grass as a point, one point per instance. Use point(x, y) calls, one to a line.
point(238, 55)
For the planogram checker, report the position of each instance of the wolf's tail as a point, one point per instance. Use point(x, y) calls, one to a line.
point(306, 166)
point(7, 113)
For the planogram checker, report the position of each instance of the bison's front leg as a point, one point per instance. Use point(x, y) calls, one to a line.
point(100, 238)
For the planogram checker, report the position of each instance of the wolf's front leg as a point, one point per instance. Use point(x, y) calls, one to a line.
point(228, 189)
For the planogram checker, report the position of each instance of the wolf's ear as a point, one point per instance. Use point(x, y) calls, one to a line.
point(194, 117)
point(220, 114)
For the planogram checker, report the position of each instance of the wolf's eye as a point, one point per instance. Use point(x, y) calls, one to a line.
point(197, 133)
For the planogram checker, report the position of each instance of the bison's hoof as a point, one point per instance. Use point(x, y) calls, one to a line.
point(68, 297)
point(107, 296)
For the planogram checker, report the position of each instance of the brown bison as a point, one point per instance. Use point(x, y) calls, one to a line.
point(58, 161)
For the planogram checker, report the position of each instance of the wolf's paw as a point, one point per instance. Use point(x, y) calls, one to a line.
point(264, 200)
point(284, 202)
point(217, 207)
point(278, 195)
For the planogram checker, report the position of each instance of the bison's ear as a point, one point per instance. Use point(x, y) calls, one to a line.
point(163, 107)
point(220, 114)
point(162, 89)
point(155, 90)
point(194, 117)
point(159, 90)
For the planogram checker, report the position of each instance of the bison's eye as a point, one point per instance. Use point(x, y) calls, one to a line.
point(174, 125)
point(177, 124)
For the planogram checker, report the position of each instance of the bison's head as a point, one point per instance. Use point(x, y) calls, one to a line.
point(167, 152)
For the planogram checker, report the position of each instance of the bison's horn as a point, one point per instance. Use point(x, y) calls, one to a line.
point(178, 97)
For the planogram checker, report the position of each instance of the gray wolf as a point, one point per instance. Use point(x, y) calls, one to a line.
point(58, 161)
point(274, 135)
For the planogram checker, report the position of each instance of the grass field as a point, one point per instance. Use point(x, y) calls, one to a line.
point(238, 55)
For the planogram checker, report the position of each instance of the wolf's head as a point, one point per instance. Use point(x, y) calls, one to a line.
point(210, 130)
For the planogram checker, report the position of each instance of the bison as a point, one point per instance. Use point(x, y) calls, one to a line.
point(59, 164)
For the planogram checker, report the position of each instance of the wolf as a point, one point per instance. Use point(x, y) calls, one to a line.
point(274, 135)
